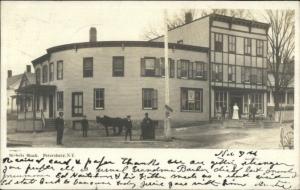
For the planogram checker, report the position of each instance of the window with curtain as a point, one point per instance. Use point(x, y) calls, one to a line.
point(45, 73)
point(219, 42)
point(149, 98)
point(99, 98)
point(60, 69)
point(87, 67)
point(231, 44)
point(192, 99)
point(118, 66)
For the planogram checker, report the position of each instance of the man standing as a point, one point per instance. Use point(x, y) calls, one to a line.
point(59, 123)
point(85, 126)
point(147, 127)
point(224, 109)
point(128, 126)
point(253, 112)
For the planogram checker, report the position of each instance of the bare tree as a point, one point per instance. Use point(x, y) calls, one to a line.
point(281, 39)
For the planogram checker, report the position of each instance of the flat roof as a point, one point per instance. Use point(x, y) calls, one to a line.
point(230, 19)
point(116, 44)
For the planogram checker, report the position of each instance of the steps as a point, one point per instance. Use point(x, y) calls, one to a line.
point(49, 125)
point(250, 124)
point(233, 124)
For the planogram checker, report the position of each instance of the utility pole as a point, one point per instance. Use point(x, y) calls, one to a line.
point(167, 129)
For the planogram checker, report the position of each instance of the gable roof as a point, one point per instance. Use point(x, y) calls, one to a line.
point(13, 79)
point(29, 78)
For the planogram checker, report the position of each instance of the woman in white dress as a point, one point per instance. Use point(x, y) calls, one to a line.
point(235, 114)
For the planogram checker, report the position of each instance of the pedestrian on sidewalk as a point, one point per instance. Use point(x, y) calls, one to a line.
point(59, 124)
point(128, 126)
point(147, 128)
point(224, 109)
point(253, 111)
point(85, 126)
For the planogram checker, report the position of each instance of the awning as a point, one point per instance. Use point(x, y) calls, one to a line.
point(37, 89)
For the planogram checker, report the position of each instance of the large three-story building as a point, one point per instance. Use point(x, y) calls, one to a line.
point(237, 62)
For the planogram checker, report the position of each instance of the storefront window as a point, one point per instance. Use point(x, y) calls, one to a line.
point(220, 100)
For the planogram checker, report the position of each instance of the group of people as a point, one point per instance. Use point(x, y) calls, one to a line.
point(146, 126)
point(236, 114)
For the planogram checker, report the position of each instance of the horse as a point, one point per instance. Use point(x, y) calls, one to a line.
point(114, 122)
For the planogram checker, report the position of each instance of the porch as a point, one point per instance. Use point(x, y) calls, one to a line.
point(36, 106)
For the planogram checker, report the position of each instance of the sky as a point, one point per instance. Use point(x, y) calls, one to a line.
point(29, 28)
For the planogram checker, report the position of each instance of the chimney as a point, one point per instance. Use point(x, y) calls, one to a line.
point(93, 34)
point(28, 68)
point(9, 73)
point(188, 17)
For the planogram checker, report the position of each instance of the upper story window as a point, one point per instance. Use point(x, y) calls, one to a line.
point(150, 67)
point(259, 73)
point(51, 72)
point(259, 47)
point(246, 74)
point(217, 73)
point(45, 73)
point(218, 42)
point(231, 73)
point(118, 66)
point(99, 98)
point(38, 75)
point(183, 68)
point(231, 44)
point(171, 67)
point(290, 98)
point(149, 98)
point(87, 67)
point(247, 46)
point(60, 100)
point(192, 99)
point(200, 70)
point(254, 76)
point(60, 70)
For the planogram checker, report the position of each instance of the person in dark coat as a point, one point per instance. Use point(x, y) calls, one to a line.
point(59, 124)
point(146, 127)
point(85, 126)
point(253, 111)
point(224, 109)
point(128, 126)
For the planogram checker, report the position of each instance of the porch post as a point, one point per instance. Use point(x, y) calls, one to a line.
point(24, 106)
point(17, 100)
point(12, 103)
point(33, 109)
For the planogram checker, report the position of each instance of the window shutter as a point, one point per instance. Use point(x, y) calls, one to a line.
point(142, 67)
point(178, 68)
point(172, 68)
point(154, 100)
point(205, 70)
point(162, 65)
point(157, 67)
point(190, 70)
